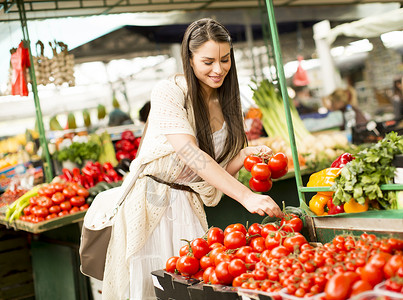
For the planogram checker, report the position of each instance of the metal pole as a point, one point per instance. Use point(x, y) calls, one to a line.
point(284, 94)
point(249, 41)
point(47, 163)
point(267, 39)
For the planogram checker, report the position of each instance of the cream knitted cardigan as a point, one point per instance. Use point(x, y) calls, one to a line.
point(143, 207)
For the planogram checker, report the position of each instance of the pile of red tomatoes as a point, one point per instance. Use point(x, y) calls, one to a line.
point(264, 169)
point(275, 257)
point(55, 200)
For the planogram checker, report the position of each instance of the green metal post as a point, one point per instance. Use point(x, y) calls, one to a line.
point(47, 164)
point(284, 94)
point(266, 38)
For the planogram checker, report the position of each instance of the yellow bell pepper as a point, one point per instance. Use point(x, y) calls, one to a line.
point(353, 206)
point(324, 178)
point(318, 202)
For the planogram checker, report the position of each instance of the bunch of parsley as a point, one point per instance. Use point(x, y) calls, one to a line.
point(79, 152)
point(361, 178)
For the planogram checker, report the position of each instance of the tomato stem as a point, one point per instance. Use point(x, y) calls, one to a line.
point(190, 253)
point(206, 233)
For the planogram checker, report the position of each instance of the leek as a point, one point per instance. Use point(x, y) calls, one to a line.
point(274, 122)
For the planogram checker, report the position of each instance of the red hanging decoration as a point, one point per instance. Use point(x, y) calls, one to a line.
point(20, 62)
point(300, 77)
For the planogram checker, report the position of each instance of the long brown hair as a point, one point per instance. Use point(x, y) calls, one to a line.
point(197, 34)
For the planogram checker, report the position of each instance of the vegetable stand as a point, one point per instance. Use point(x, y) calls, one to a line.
point(323, 229)
point(56, 245)
point(52, 248)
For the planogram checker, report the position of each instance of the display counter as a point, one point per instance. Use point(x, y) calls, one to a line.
point(50, 252)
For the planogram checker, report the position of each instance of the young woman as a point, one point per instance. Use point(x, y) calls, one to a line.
point(193, 148)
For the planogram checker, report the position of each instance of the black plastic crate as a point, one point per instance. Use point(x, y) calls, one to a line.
point(176, 287)
point(162, 285)
point(169, 286)
point(258, 295)
point(181, 285)
point(212, 292)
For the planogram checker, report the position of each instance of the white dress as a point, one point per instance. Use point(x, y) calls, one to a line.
point(178, 222)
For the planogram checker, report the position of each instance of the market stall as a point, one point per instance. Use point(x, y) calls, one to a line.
point(58, 238)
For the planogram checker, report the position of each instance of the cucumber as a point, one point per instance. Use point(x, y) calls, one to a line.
point(116, 184)
point(269, 219)
point(89, 200)
point(294, 210)
point(104, 185)
point(95, 190)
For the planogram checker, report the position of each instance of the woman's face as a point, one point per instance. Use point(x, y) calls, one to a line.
point(211, 63)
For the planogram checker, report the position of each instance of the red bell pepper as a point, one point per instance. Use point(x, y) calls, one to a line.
point(107, 166)
point(334, 209)
point(100, 177)
point(67, 174)
point(85, 181)
point(119, 145)
point(342, 160)
point(113, 174)
point(133, 154)
point(88, 178)
point(122, 154)
point(87, 171)
point(137, 142)
point(127, 145)
point(76, 172)
point(97, 165)
point(107, 178)
point(127, 135)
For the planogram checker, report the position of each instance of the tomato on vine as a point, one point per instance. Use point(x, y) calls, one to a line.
point(236, 267)
point(234, 240)
point(254, 229)
point(187, 265)
point(278, 162)
point(235, 227)
point(223, 274)
point(261, 171)
point(294, 242)
point(291, 223)
point(207, 273)
point(260, 185)
point(170, 265)
point(268, 228)
point(200, 247)
point(279, 174)
point(206, 262)
point(215, 235)
point(250, 161)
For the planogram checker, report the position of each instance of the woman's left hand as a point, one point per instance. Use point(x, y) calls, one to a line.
point(254, 150)
point(236, 164)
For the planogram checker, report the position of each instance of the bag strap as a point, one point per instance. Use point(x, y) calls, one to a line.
point(134, 178)
point(127, 190)
point(142, 137)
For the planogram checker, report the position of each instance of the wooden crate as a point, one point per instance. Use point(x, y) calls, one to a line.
point(324, 229)
point(16, 280)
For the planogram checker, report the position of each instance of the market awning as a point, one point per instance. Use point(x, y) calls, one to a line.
point(369, 27)
point(44, 9)
point(133, 41)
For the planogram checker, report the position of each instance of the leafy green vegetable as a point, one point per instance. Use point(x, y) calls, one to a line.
point(244, 176)
point(79, 152)
point(361, 178)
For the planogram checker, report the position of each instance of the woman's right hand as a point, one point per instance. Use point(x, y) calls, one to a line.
point(262, 204)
